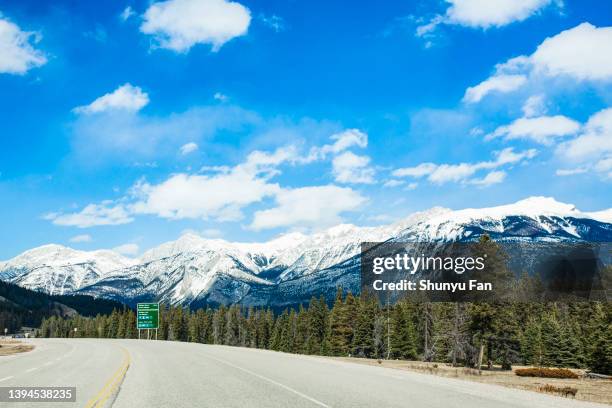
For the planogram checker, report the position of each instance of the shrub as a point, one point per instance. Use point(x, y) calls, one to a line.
point(546, 372)
point(565, 391)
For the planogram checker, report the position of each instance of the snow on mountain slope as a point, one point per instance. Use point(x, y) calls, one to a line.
point(56, 269)
point(535, 215)
point(193, 269)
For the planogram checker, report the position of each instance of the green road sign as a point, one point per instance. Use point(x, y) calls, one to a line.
point(147, 315)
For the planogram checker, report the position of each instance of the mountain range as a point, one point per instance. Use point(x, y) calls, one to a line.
point(287, 270)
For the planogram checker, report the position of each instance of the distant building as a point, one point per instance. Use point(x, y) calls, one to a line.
point(27, 332)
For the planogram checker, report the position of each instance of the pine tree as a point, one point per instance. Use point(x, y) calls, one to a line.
point(340, 329)
point(531, 343)
point(551, 339)
point(403, 336)
point(363, 338)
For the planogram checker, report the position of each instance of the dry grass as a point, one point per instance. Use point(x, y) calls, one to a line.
point(593, 390)
point(10, 346)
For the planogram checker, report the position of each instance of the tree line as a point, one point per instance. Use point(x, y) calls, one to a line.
point(24, 307)
point(577, 335)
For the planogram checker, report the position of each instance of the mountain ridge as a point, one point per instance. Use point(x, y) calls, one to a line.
point(195, 270)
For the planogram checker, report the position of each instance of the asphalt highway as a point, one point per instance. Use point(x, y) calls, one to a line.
point(147, 373)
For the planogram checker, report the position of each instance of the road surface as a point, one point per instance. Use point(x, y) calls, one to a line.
point(142, 373)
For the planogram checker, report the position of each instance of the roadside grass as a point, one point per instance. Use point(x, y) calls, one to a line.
point(9, 346)
point(586, 389)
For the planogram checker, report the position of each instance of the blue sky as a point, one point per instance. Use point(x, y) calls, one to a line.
point(126, 123)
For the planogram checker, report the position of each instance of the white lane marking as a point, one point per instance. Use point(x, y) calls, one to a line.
point(6, 378)
point(313, 400)
point(29, 370)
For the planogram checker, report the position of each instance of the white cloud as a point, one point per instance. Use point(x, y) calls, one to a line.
point(313, 207)
point(178, 25)
point(421, 170)
point(198, 196)
point(493, 177)
point(127, 249)
point(592, 148)
point(351, 168)
point(188, 148)
point(394, 183)
point(222, 193)
point(127, 97)
point(462, 172)
point(342, 141)
point(543, 129)
point(17, 55)
point(571, 172)
point(535, 105)
point(93, 215)
point(81, 238)
point(483, 14)
point(583, 52)
point(218, 96)
point(604, 165)
point(509, 156)
point(221, 196)
point(498, 83)
point(127, 13)
point(491, 13)
point(347, 139)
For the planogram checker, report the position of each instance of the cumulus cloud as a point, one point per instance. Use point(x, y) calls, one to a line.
point(127, 249)
point(178, 25)
point(81, 238)
point(342, 141)
point(497, 83)
point(463, 172)
point(221, 196)
point(188, 148)
point(535, 105)
point(493, 177)
point(351, 168)
point(127, 97)
point(582, 53)
point(491, 13)
point(105, 213)
point(222, 193)
point(543, 129)
point(483, 14)
point(311, 207)
point(17, 55)
point(592, 148)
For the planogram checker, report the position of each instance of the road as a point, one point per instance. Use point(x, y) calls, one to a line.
point(133, 374)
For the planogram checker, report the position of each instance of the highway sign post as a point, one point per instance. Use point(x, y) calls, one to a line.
point(147, 317)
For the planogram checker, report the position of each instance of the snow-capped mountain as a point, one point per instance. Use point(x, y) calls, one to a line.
point(56, 269)
point(287, 270)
